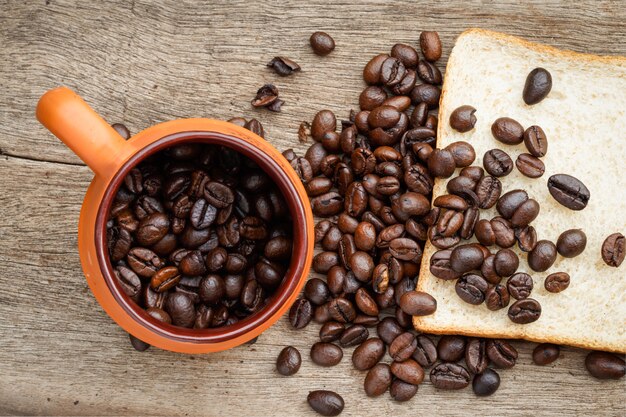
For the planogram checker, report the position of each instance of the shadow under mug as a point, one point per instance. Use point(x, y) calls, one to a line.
point(111, 157)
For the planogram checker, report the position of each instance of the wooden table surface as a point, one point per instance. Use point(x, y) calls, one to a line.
point(143, 62)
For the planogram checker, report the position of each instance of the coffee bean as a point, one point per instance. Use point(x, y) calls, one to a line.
point(569, 191)
point(537, 87)
point(406, 84)
point(488, 191)
point(354, 335)
point(326, 354)
point(471, 288)
point(265, 96)
point(497, 163)
point(365, 236)
point(524, 311)
point(529, 165)
point(497, 297)
point(605, 365)
point(362, 265)
point(402, 391)
point(451, 348)
point(405, 249)
point(536, 141)
point(486, 383)
point(129, 281)
point(283, 66)
point(484, 232)
point(488, 270)
point(300, 313)
point(368, 354)
point(508, 131)
point(158, 314)
point(505, 262)
point(139, 345)
point(321, 314)
point(465, 258)
point(418, 303)
point(152, 229)
point(165, 278)
point(503, 231)
point(408, 371)
point(402, 347)
point(372, 97)
point(449, 376)
point(341, 310)
point(440, 265)
point(426, 93)
point(441, 163)
point(557, 282)
point(476, 355)
point(322, 43)
point(316, 291)
point(303, 169)
point(520, 285)
point(462, 152)
point(571, 243)
point(428, 72)
point(327, 205)
point(365, 302)
point(288, 361)
point(614, 250)
point(475, 173)
point(430, 44)
point(542, 256)
point(463, 119)
point(325, 403)
point(181, 309)
point(545, 354)
point(377, 380)
point(371, 71)
point(331, 331)
point(388, 329)
point(212, 288)
point(501, 353)
point(392, 71)
point(192, 264)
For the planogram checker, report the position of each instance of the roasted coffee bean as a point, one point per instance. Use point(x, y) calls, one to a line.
point(557, 282)
point(526, 238)
point(449, 223)
point(265, 96)
point(129, 281)
point(368, 354)
point(335, 279)
point(520, 285)
point(440, 265)
point(321, 228)
point(428, 72)
point(365, 302)
point(181, 309)
point(139, 345)
point(488, 191)
point(212, 289)
point(451, 348)
point(402, 391)
point(484, 232)
point(317, 152)
point(303, 169)
point(449, 376)
point(571, 243)
point(354, 335)
point(406, 84)
point(119, 242)
point(321, 314)
point(316, 291)
point(288, 361)
point(371, 71)
point(283, 66)
point(144, 262)
point(325, 403)
point(524, 311)
point(525, 213)
point(405, 249)
point(300, 313)
point(486, 383)
point(392, 71)
point(377, 380)
point(569, 191)
point(159, 315)
point(402, 347)
point(497, 163)
point(426, 93)
point(364, 320)
point(417, 179)
point(346, 249)
point(505, 262)
point(471, 288)
point(318, 186)
point(465, 258)
point(403, 319)
point(542, 256)
point(327, 205)
point(408, 371)
point(475, 173)
point(476, 355)
point(463, 119)
point(501, 353)
point(362, 265)
point(442, 242)
point(388, 329)
point(278, 248)
point(536, 141)
point(507, 130)
point(488, 270)
point(192, 264)
point(406, 54)
point(363, 160)
point(537, 87)
point(331, 331)
point(530, 165)
point(503, 231)
point(470, 218)
point(605, 365)
point(326, 354)
point(409, 204)
point(462, 152)
point(372, 97)
point(430, 44)
point(215, 259)
point(418, 303)
point(255, 126)
point(441, 163)
point(218, 194)
point(365, 236)
point(146, 205)
point(322, 43)
point(341, 310)
point(385, 299)
point(152, 229)
point(497, 297)
point(425, 351)
point(614, 250)
point(545, 354)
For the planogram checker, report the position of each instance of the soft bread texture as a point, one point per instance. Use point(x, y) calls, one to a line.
point(584, 119)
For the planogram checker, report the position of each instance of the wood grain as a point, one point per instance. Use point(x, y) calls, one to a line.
point(143, 62)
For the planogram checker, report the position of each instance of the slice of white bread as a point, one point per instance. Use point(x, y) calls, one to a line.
point(585, 123)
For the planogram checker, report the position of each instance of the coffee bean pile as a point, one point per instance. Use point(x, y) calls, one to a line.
point(199, 236)
point(371, 183)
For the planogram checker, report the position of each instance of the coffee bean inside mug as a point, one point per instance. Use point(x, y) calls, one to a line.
point(199, 236)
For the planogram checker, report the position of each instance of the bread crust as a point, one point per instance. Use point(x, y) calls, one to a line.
point(513, 332)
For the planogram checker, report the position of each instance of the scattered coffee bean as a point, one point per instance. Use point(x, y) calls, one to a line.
point(354, 335)
point(368, 354)
point(451, 348)
point(283, 66)
point(377, 380)
point(497, 163)
point(537, 87)
point(463, 119)
point(542, 256)
point(476, 356)
point(408, 371)
point(486, 383)
point(322, 43)
point(402, 391)
point(471, 288)
point(430, 44)
point(571, 243)
point(139, 345)
point(497, 297)
point(508, 131)
point(326, 354)
point(520, 285)
point(530, 165)
point(569, 191)
point(325, 403)
point(605, 365)
point(557, 282)
point(300, 313)
point(524, 311)
point(545, 354)
point(449, 376)
point(288, 361)
point(614, 250)
point(501, 353)
point(536, 141)
point(265, 96)
point(417, 303)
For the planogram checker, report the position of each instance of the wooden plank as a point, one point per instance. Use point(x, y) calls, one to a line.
point(142, 63)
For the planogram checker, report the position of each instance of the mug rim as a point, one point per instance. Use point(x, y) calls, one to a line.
point(293, 277)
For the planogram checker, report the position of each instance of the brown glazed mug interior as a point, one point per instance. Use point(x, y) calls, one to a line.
point(292, 277)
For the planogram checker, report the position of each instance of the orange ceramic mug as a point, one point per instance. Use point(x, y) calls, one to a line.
point(69, 118)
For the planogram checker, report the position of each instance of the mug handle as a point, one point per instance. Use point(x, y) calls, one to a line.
point(88, 135)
